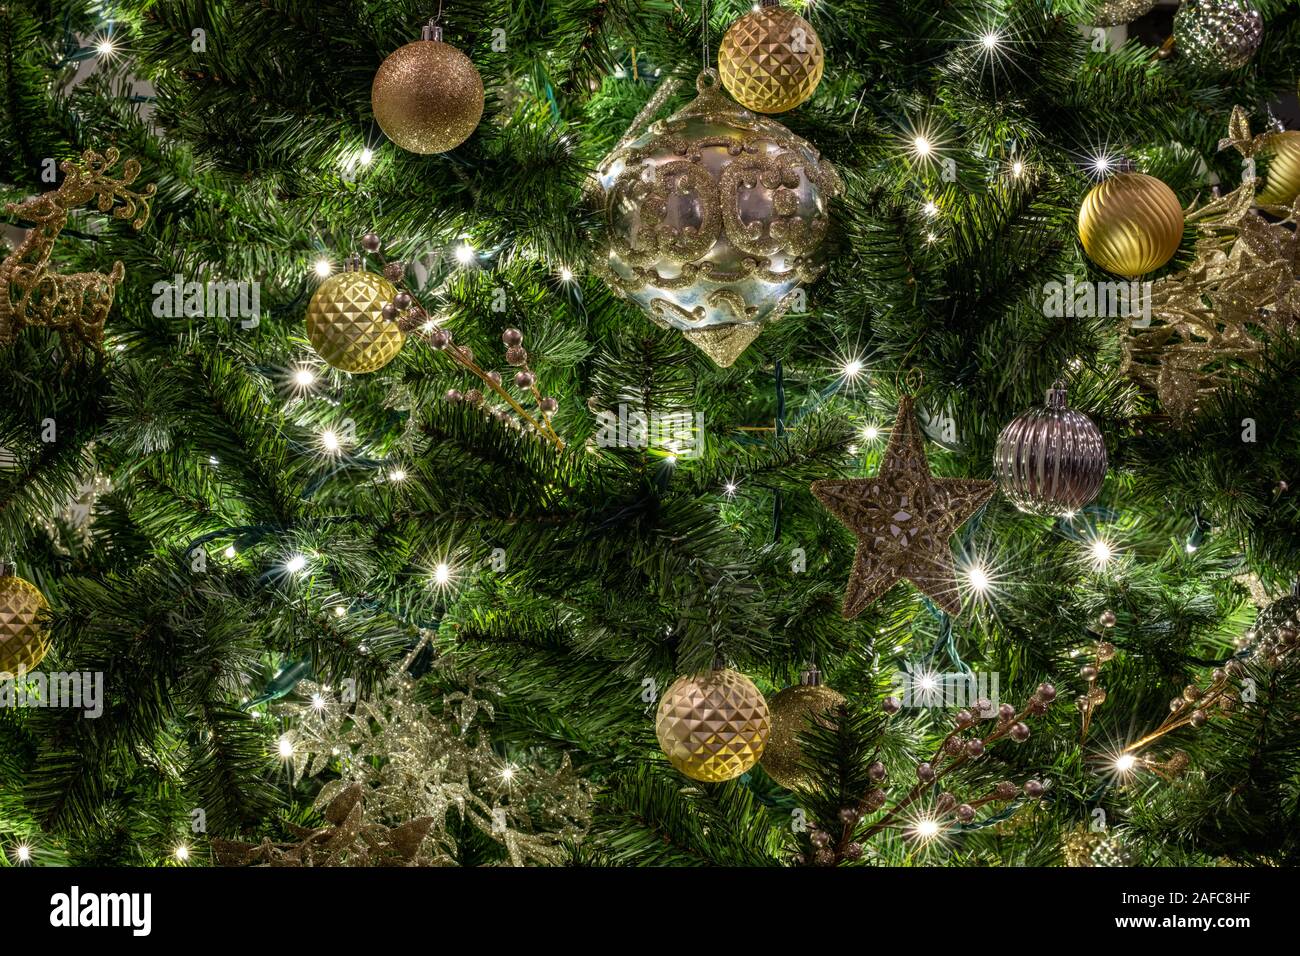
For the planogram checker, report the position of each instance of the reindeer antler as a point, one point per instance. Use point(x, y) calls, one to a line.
point(89, 178)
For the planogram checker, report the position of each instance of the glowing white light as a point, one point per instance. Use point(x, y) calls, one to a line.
point(671, 459)
point(329, 440)
point(182, 853)
point(105, 47)
point(921, 146)
point(1190, 547)
point(317, 702)
point(931, 208)
point(367, 156)
point(508, 773)
point(1017, 168)
point(871, 433)
point(729, 488)
point(213, 460)
point(323, 267)
point(925, 830)
point(230, 551)
point(397, 474)
point(296, 563)
point(304, 378)
point(23, 852)
point(853, 368)
point(927, 682)
point(339, 610)
point(566, 274)
point(1101, 552)
point(442, 574)
point(464, 253)
point(978, 578)
point(991, 39)
point(285, 747)
point(1125, 762)
point(1102, 164)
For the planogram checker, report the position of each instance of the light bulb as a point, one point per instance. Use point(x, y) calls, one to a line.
point(323, 267)
point(295, 563)
point(442, 574)
point(464, 253)
point(921, 146)
point(367, 156)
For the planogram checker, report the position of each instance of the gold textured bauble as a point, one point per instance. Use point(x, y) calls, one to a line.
point(713, 726)
point(1112, 13)
point(771, 60)
point(1130, 224)
point(346, 326)
point(793, 711)
point(427, 97)
point(1282, 181)
point(23, 637)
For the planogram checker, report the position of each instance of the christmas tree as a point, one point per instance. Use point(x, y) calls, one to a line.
point(637, 432)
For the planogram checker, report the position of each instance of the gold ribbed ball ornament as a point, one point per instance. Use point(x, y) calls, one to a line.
point(1130, 224)
point(427, 96)
point(713, 726)
point(23, 636)
point(1282, 180)
point(793, 713)
point(346, 325)
point(771, 59)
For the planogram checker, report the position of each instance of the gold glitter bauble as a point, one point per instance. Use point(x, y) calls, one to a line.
point(793, 711)
point(714, 220)
point(713, 726)
point(771, 60)
point(1112, 13)
point(427, 97)
point(346, 326)
point(1282, 181)
point(1130, 224)
point(23, 638)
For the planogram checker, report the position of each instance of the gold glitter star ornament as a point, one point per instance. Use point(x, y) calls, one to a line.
point(903, 519)
point(713, 726)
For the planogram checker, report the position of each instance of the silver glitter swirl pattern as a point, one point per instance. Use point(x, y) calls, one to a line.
point(1112, 13)
point(1050, 460)
point(1218, 35)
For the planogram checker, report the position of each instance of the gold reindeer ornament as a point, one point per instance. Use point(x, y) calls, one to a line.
point(76, 305)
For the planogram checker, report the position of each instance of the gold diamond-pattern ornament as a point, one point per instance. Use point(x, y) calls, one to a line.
point(346, 325)
point(793, 712)
point(771, 59)
point(713, 726)
point(24, 639)
point(903, 519)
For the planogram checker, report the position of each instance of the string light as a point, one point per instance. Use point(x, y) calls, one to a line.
point(465, 253)
point(397, 474)
point(871, 433)
point(566, 274)
point(367, 156)
point(1017, 168)
point(442, 574)
point(230, 551)
point(323, 268)
point(330, 441)
point(991, 39)
point(23, 853)
point(1125, 763)
point(303, 378)
point(285, 748)
point(339, 610)
point(978, 578)
point(295, 563)
point(182, 853)
point(931, 208)
point(317, 701)
point(730, 489)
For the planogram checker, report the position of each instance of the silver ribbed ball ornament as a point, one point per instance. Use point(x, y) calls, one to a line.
point(1051, 460)
point(714, 218)
point(1218, 35)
